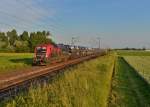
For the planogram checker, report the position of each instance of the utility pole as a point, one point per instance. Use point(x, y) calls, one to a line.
point(99, 42)
point(73, 40)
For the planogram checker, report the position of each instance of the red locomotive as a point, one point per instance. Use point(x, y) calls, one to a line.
point(44, 52)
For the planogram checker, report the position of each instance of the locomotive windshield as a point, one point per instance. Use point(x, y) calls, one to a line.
point(41, 49)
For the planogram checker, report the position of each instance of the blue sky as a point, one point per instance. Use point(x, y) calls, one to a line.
point(119, 23)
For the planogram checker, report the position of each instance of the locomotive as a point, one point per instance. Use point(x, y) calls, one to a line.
point(49, 53)
point(44, 52)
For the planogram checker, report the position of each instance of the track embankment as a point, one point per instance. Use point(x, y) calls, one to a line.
point(84, 85)
point(12, 83)
point(128, 88)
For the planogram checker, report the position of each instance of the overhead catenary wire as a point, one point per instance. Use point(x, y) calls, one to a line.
point(56, 20)
point(27, 23)
point(11, 26)
point(34, 12)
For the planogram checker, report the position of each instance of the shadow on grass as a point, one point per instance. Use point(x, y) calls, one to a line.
point(27, 61)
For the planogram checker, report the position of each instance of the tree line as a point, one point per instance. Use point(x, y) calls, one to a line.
point(26, 42)
point(138, 49)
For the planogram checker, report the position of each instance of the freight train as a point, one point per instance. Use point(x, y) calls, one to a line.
point(49, 53)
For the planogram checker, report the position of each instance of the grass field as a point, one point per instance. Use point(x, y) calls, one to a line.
point(128, 88)
point(85, 85)
point(13, 61)
point(132, 53)
point(89, 84)
point(141, 64)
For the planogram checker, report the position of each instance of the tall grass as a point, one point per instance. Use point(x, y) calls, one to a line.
point(86, 85)
point(13, 61)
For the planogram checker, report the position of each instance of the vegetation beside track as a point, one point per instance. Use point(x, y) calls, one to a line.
point(128, 88)
point(85, 85)
point(141, 64)
point(132, 53)
point(14, 61)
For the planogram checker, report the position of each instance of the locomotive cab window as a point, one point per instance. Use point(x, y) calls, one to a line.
point(41, 49)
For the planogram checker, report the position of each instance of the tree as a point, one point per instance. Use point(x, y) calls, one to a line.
point(37, 38)
point(3, 40)
point(24, 42)
point(12, 36)
point(21, 46)
point(48, 33)
point(44, 33)
point(144, 48)
point(24, 36)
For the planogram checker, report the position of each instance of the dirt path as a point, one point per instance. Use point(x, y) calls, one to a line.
point(128, 88)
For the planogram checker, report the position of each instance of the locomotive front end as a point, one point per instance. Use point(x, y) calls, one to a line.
point(40, 55)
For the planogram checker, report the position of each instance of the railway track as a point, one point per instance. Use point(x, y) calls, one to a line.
point(10, 86)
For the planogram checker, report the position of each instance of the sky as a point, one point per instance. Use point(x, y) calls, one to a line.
point(119, 23)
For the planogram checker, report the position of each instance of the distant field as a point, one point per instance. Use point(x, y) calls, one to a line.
point(141, 64)
point(132, 53)
point(13, 61)
point(128, 88)
point(85, 85)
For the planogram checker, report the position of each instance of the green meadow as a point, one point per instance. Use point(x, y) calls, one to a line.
point(13, 61)
point(132, 53)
